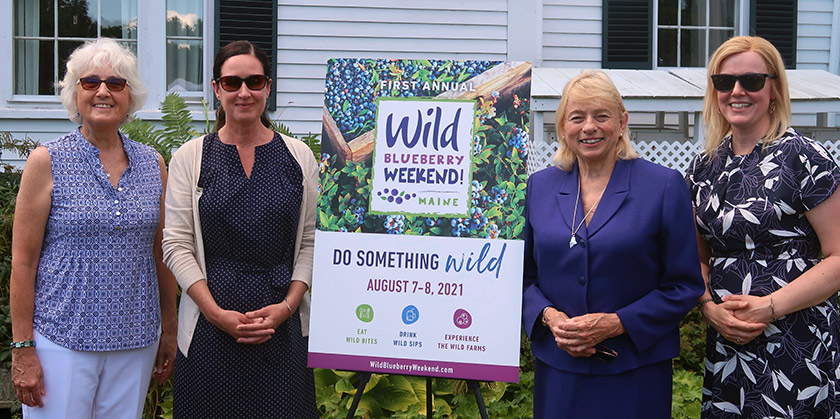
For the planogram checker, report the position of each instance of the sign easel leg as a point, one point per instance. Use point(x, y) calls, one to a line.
point(429, 398)
point(364, 377)
point(473, 385)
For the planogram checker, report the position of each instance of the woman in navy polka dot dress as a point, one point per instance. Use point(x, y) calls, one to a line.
point(242, 212)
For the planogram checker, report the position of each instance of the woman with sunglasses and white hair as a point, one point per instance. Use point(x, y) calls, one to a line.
point(239, 237)
point(92, 304)
point(766, 205)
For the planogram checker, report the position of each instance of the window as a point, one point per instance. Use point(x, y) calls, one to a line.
point(184, 46)
point(689, 31)
point(46, 32)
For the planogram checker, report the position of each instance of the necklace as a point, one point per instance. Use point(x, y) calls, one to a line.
point(573, 241)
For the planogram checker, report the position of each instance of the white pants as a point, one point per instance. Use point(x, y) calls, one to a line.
point(82, 384)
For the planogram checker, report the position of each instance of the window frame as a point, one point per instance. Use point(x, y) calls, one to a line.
point(151, 40)
point(679, 26)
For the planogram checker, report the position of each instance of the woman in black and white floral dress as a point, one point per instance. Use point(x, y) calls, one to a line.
point(767, 210)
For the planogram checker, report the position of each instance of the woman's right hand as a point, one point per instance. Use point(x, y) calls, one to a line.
point(722, 318)
point(27, 377)
point(553, 318)
point(228, 320)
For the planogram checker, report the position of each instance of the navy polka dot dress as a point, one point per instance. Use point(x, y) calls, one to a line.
point(249, 227)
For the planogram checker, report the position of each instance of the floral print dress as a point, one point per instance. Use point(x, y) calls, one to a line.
point(751, 211)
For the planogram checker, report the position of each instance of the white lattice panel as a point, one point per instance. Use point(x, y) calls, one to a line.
point(676, 155)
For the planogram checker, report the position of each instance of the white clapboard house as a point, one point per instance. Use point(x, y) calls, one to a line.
point(655, 50)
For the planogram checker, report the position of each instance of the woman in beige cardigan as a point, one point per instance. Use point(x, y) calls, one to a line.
point(244, 264)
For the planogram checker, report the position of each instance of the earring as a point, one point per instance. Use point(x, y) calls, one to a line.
point(772, 106)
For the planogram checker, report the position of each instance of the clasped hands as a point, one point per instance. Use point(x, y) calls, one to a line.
point(579, 335)
point(253, 327)
point(739, 318)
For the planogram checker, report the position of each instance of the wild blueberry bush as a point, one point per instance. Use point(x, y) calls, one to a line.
point(352, 85)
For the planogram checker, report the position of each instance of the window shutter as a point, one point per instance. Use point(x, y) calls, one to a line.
point(254, 21)
point(628, 40)
point(775, 21)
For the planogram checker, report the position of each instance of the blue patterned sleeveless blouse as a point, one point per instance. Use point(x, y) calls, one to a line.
point(96, 288)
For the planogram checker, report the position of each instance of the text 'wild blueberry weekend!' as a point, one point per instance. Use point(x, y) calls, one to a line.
point(418, 247)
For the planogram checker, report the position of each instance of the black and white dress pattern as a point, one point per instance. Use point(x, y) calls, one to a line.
point(751, 211)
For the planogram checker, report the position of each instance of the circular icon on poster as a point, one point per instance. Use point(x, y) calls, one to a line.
point(410, 314)
point(364, 313)
point(462, 318)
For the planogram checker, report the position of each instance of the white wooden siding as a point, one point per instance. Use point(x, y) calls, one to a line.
point(311, 32)
point(813, 43)
point(572, 33)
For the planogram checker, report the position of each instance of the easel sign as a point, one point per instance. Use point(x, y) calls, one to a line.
point(418, 249)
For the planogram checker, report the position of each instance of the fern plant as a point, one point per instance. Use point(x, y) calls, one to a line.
point(311, 140)
point(177, 127)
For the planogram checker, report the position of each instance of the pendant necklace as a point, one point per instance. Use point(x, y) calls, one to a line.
point(573, 241)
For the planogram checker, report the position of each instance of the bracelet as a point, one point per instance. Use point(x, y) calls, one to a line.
point(22, 344)
point(772, 309)
point(704, 301)
point(542, 316)
point(289, 307)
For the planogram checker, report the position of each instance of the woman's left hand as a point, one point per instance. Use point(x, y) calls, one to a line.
point(757, 309)
point(580, 334)
point(264, 321)
point(165, 362)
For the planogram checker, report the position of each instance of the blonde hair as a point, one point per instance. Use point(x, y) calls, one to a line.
point(717, 127)
point(101, 53)
point(591, 85)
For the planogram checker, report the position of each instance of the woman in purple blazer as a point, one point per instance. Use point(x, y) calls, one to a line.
point(611, 266)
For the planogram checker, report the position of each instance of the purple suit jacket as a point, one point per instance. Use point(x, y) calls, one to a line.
point(638, 259)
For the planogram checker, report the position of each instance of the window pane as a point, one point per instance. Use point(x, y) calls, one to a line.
point(33, 18)
point(183, 18)
point(33, 67)
point(667, 12)
point(132, 46)
point(119, 19)
point(77, 19)
point(184, 65)
point(65, 48)
point(693, 12)
point(667, 48)
point(717, 38)
point(692, 48)
point(722, 14)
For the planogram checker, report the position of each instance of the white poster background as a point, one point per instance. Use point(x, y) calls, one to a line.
point(422, 154)
point(488, 290)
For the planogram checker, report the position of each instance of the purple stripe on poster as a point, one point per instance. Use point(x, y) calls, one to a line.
point(383, 365)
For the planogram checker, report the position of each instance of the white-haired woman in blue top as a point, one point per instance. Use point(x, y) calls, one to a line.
point(93, 306)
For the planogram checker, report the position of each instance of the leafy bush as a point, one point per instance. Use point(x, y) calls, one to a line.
point(398, 396)
point(177, 127)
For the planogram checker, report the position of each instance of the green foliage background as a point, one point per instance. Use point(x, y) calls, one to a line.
point(393, 396)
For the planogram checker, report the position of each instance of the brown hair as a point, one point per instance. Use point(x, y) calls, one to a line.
point(231, 50)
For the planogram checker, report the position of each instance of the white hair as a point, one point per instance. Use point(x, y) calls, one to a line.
point(101, 53)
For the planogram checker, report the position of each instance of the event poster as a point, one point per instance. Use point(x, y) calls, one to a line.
point(418, 248)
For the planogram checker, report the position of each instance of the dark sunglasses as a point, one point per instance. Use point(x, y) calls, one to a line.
point(114, 84)
point(751, 82)
point(233, 83)
point(603, 353)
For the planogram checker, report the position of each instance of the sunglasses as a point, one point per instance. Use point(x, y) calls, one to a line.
point(751, 82)
point(603, 353)
point(114, 84)
point(233, 83)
